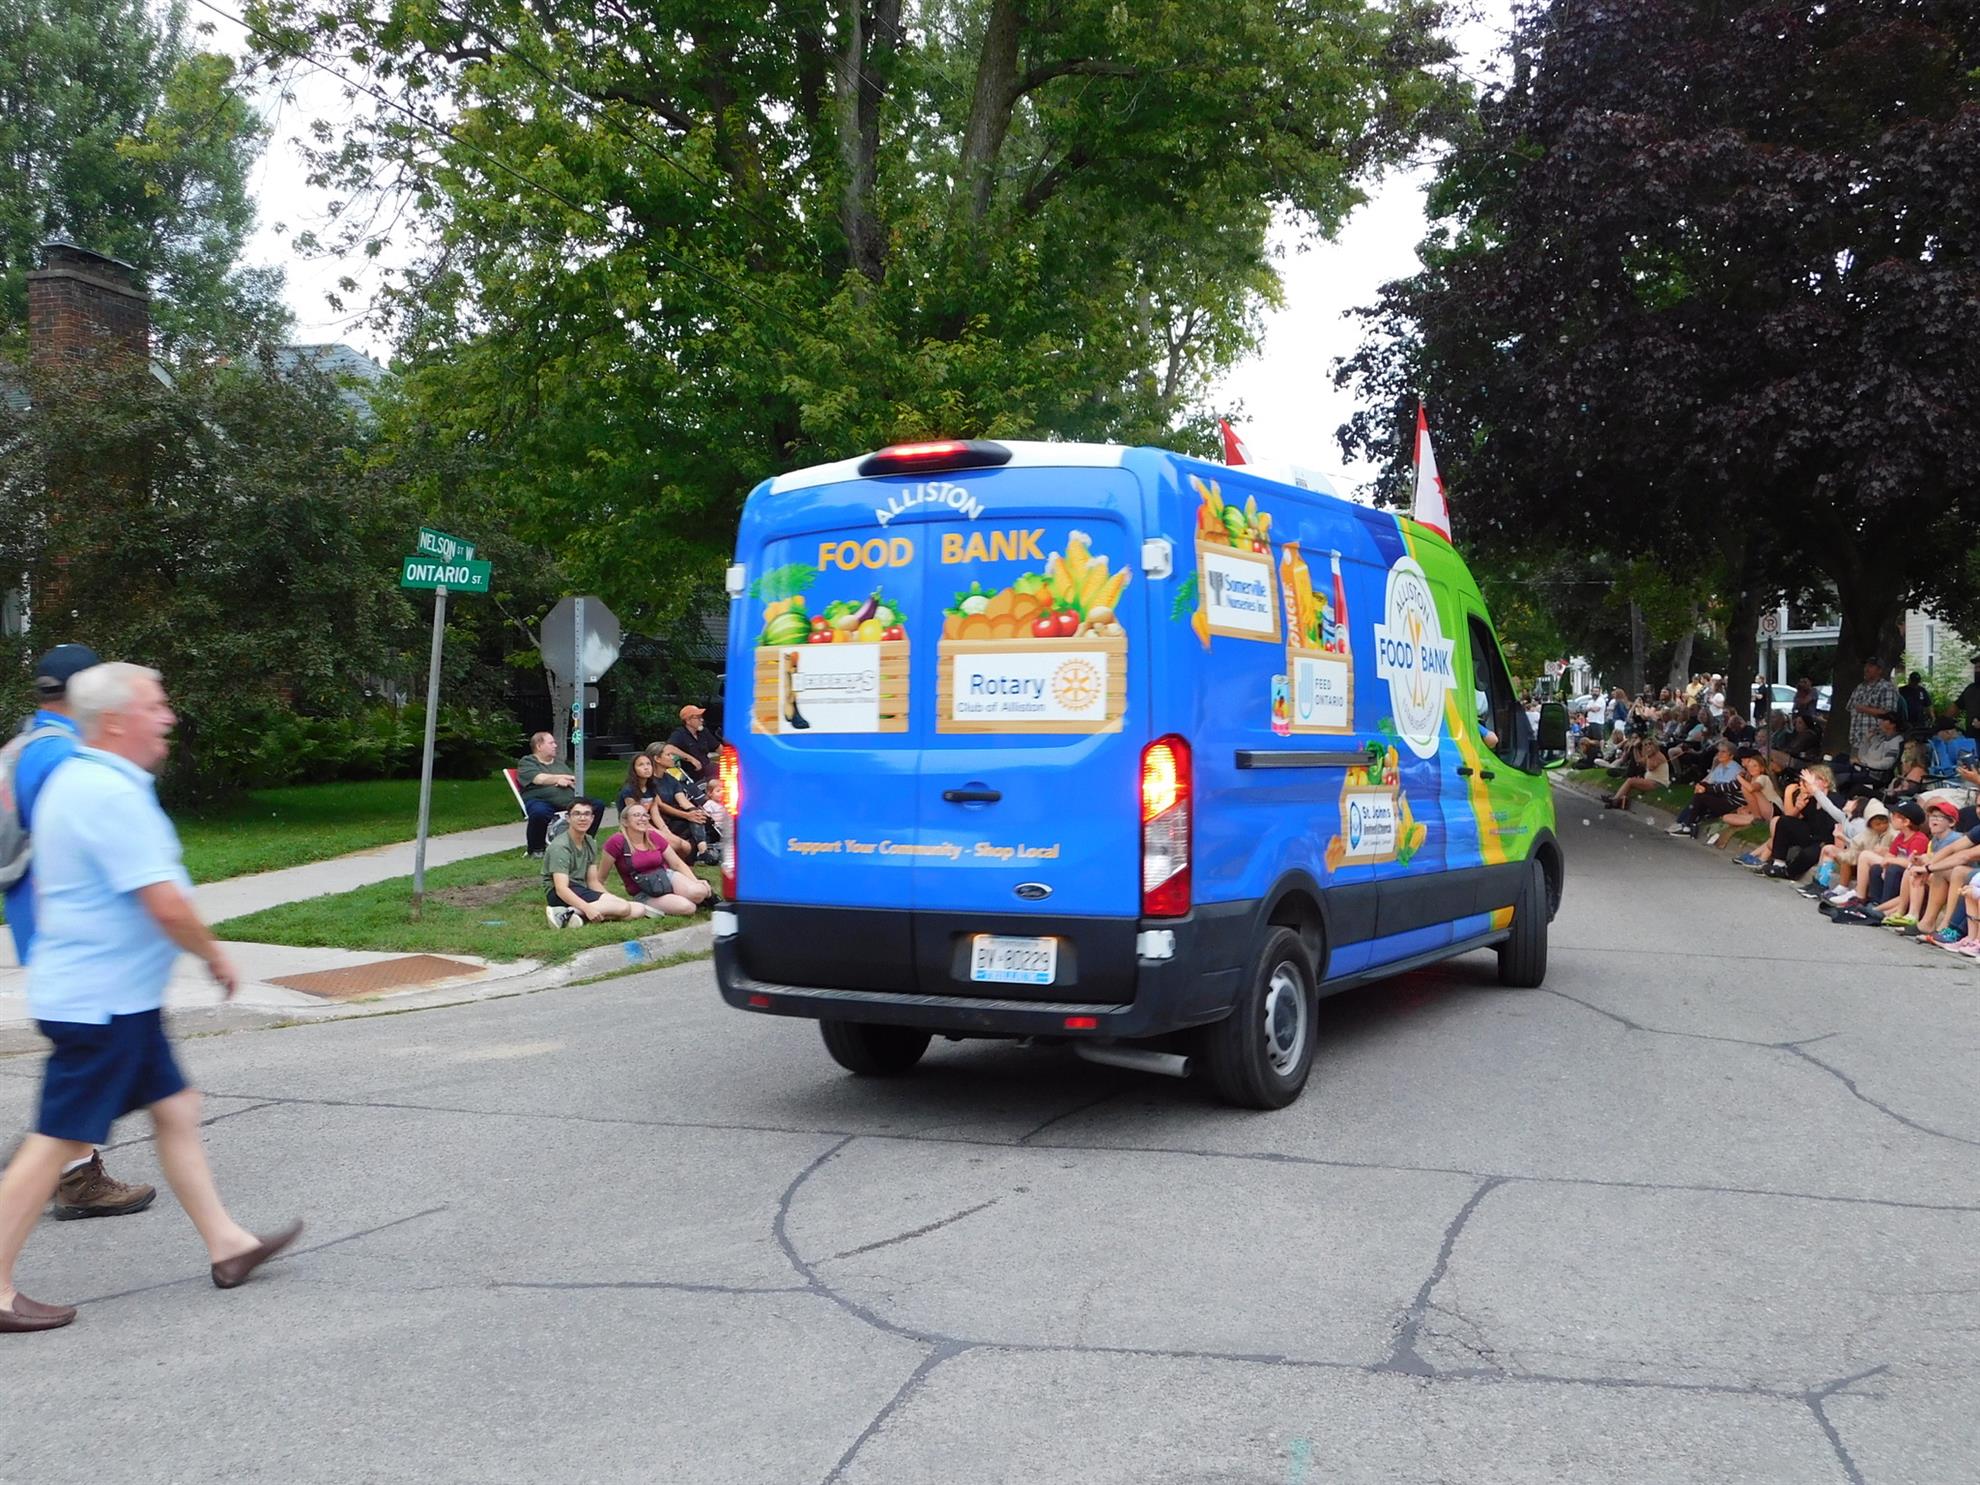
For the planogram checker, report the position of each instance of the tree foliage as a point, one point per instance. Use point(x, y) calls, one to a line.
point(118, 132)
point(680, 246)
point(220, 529)
point(1705, 289)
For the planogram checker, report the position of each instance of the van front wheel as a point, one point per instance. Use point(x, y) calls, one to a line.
point(1258, 1057)
point(873, 1051)
point(1523, 957)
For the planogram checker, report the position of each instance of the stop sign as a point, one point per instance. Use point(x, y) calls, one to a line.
point(563, 648)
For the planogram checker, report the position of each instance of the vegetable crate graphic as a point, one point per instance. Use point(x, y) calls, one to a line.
point(843, 669)
point(1046, 654)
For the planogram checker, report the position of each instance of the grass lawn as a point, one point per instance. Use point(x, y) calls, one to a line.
point(299, 823)
point(491, 907)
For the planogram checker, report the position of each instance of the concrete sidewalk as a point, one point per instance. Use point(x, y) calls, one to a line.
point(192, 995)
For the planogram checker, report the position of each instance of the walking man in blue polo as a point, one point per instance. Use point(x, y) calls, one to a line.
point(114, 911)
point(86, 1189)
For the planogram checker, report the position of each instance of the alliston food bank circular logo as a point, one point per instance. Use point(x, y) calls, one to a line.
point(1413, 656)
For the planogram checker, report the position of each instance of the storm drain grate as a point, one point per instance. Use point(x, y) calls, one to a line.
point(374, 979)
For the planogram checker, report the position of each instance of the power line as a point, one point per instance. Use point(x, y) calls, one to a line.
point(435, 127)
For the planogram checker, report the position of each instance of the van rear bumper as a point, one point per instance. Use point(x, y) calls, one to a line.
point(1194, 984)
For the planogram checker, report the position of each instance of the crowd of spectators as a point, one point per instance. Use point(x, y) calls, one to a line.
point(1884, 832)
point(670, 820)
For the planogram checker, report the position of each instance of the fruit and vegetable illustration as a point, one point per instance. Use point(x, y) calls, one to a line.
point(837, 667)
point(1377, 823)
point(788, 620)
point(1074, 598)
point(1245, 528)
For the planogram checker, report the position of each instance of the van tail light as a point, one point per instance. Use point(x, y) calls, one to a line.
point(946, 453)
point(1165, 811)
point(728, 774)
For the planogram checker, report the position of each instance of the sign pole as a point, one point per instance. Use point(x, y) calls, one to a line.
point(577, 698)
point(426, 752)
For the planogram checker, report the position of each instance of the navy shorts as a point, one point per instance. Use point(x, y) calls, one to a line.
point(584, 893)
point(98, 1074)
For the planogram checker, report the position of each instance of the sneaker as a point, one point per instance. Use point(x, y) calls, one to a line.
point(1841, 895)
point(1946, 937)
point(1683, 830)
point(1753, 861)
point(1810, 890)
point(89, 1191)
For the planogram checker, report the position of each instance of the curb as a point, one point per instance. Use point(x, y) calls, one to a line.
point(518, 977)
point(1570, 783)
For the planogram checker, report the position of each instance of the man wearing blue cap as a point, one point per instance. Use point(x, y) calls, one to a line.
point(85, 1190)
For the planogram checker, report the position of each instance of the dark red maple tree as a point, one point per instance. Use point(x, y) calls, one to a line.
point(1705, 285)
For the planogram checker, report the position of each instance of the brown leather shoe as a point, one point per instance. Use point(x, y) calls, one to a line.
point(89, 1191)
point(231, 1273)
point(26, 1314)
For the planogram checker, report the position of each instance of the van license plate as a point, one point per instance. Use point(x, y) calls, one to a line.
point(1013, 961)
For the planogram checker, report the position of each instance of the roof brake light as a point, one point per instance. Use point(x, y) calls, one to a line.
point(946, 453)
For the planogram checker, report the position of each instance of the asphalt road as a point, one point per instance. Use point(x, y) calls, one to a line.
point(1706, 1208)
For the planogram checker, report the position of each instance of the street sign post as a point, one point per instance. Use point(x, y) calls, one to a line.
point(579, 641)
point(445, 563)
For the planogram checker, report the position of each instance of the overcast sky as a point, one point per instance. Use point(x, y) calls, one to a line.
point(1290, 406)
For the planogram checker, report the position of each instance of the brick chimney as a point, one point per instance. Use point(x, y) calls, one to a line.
point(84, 308)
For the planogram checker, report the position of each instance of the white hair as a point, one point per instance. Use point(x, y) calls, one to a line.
point(102, 689)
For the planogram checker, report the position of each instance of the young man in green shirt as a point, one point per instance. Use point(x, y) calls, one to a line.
point(572, 890)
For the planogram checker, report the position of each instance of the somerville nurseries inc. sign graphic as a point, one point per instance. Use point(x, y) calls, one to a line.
point(1413, 656)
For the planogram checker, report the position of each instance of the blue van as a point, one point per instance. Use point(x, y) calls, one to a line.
point(1110, 746)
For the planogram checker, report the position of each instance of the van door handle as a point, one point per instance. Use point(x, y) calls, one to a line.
point(972, 796)
point(1488, 774)
point(1465, 771)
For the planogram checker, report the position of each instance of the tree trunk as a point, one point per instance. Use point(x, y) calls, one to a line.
point(1638, 645)
point(990, 107)
point(1679, 673)
point(862, 87)
point(1872, 609)
point(1743, 640)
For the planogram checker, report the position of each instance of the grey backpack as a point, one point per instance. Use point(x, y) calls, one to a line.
point(16, 851)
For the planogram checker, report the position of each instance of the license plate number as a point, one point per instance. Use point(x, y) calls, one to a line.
point(999, 960)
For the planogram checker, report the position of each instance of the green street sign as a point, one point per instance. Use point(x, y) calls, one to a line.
point(457, 577)
point(447, 548)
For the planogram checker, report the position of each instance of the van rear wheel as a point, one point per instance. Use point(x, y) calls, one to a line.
point(873, 1051)
point(1258, 1057)
point(1523, 957)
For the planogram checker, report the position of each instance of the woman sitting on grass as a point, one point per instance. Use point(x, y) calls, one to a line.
point(1656, 774)
point(650, 865)
point(572, 891)
point(642, 785)
point(1760, 801)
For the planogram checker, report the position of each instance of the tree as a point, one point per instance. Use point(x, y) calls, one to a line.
point(1705, 288)
point(117, 132)
point(679, 247)
point(220, 529)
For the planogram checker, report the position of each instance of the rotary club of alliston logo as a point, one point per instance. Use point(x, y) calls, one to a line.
point(1413, 656)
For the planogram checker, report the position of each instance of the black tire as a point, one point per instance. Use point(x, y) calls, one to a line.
point(1258, 1057)
point(873, 1051)
point(1523, 957)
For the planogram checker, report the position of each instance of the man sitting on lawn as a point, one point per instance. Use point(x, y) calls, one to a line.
point(572, 889)
point(548, 788)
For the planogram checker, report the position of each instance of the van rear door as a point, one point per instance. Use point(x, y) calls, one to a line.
point(831, 758)
point(1031, 733)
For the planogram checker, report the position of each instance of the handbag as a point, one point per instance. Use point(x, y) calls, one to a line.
point(654, 883)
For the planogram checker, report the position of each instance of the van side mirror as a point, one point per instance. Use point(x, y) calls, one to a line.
point(1553, 729)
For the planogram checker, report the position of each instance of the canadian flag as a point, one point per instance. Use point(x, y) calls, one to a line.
point(1234, 450)
point(1430, 508)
